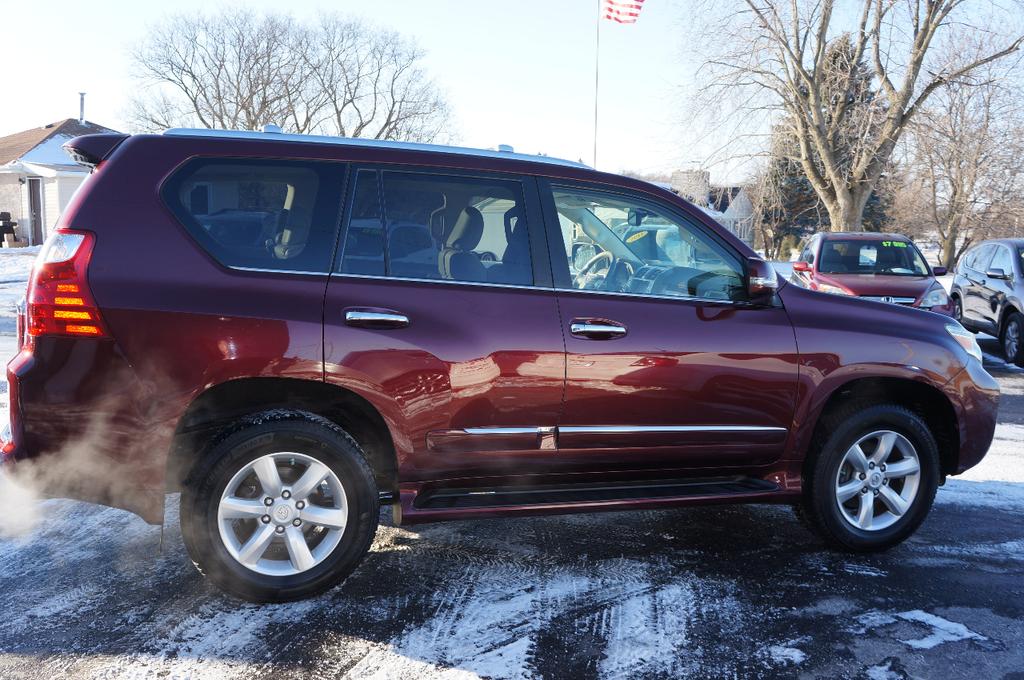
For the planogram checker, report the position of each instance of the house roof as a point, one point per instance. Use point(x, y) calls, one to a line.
point(20, 144)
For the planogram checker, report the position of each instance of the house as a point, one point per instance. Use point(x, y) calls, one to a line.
point(38, 178)
point(730, 206)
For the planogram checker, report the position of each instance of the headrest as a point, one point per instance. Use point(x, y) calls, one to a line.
point(513, 213)
point(436, 221)
point(467, 231)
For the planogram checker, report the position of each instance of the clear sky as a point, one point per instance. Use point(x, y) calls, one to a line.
point(519, 73)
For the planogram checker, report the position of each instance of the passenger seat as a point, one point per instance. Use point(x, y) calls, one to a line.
point(457, 261)
point(514, 267)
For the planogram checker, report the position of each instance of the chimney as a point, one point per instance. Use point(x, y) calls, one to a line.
point(81, 108)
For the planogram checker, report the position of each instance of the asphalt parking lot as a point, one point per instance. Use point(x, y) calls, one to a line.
point(706, 592)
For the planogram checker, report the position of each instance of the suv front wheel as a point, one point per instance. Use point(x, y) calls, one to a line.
point(281, 507)
point(873, 477)
point(1013, 338)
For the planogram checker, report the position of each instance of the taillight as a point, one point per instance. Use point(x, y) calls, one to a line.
point(59, 300)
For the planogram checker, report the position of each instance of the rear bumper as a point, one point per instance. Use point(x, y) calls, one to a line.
point(12, 435)
point(76, 426)
point(975, 396)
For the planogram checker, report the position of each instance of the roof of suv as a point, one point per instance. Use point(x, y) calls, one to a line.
point(273, 135)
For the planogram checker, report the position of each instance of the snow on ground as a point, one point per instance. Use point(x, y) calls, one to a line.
point(15, 264)
point(740, 591)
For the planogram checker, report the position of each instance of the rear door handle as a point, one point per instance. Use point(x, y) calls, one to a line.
point(381, 319)
point(597, 329)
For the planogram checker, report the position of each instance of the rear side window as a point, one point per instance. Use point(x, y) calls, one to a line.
point(260, 214)
point(437, 227)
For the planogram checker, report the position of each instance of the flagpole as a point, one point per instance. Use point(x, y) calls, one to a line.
point(597, 74)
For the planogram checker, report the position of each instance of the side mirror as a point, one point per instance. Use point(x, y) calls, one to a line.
point(939, 271)
point(762, 281)
point(801, 266)
point(996, 274)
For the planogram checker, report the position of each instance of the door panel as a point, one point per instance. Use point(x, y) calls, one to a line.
point(995, 291)
point(666, 364)
point(974, 295)
point(441, 315)
point(690, 383)
point(472, 359)
point(35, 210)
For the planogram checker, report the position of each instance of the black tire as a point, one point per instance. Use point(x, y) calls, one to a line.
point(958, 310)
point(836, 435)
point(275, 432)
point(1014, 321)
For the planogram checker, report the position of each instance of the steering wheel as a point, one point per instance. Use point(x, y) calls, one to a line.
point(615, 268)
point(593, 262)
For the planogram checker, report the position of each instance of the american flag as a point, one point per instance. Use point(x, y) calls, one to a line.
point(622, 11)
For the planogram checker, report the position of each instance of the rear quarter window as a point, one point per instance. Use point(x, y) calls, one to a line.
point(260, 214)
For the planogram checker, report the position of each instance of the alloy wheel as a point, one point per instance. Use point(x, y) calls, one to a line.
point(282, 514)
point(1011, 340)
point(878, 480)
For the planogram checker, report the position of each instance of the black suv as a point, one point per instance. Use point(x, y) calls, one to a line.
point(988, 293)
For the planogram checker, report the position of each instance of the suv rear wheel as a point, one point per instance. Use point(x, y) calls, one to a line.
point(1012, 338)
point(282, 506)
point(873, 478)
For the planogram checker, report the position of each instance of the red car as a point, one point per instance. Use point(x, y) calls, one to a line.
point(879, 267)
point(292, 331)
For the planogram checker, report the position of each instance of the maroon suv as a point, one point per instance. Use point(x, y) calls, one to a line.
point(292, 331)
point(880, 267)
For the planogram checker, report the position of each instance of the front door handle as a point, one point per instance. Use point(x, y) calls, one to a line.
point(597, 329)
point(381, 319)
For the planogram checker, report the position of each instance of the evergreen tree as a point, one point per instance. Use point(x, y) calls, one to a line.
point(795, 208)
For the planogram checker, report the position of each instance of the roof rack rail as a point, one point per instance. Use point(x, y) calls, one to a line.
point(273, 133)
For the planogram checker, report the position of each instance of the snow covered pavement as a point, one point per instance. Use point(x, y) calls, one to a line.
point(705, 592)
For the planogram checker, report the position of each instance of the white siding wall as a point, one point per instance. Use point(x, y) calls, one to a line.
point(57, 192)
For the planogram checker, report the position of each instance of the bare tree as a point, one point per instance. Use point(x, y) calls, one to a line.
point(965, 168)
point(237, 70)
point(771, 55)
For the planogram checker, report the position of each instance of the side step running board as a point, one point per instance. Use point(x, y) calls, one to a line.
point(452, 503)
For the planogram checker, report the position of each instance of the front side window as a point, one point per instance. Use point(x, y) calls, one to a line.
point(276, 215)
point(869, 256)
point(435, 227)
point(982, 256)
point(618, 244)
point(807, 255)
point(1002, 259)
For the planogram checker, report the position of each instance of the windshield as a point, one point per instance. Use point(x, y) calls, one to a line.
point(869, 256)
